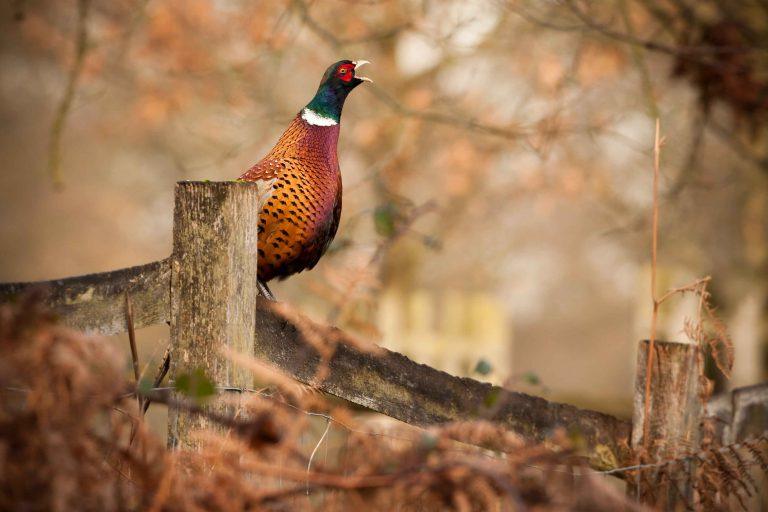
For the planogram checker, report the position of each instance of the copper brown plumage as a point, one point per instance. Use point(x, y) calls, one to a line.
point(301, 215)
point(301, 173)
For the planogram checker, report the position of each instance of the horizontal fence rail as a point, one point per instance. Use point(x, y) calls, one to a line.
point(385, 382)
point(95, 303)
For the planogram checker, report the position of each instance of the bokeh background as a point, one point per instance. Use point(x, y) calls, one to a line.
point(497, 174)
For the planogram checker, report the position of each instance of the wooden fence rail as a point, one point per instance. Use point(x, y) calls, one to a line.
point(386, 382)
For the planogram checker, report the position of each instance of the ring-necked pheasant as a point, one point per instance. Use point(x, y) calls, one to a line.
point(301, 175)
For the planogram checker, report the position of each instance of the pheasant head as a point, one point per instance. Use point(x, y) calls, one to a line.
point(338, 81)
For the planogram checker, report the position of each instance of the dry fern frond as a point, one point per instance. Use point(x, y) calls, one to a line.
point(719, 474)
point(708, 329)
point(719, 343)
point(66, 420)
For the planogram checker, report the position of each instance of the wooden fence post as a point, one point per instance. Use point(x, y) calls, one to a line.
point(675, 414)
point(213, 290)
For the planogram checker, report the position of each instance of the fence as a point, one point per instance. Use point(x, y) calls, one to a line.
point(206, 291)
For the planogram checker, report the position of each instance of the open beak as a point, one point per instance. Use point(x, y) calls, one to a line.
point(359, 64)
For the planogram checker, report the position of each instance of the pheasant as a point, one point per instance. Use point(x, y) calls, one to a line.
point(302, 180)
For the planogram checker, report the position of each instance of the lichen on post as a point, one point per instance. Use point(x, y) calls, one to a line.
point(213, 291)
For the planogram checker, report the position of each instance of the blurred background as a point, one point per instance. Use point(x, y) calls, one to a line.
point(497, 174)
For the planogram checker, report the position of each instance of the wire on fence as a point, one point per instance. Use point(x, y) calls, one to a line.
point(264, 393)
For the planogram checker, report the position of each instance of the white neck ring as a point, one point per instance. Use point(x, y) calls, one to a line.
point(315, 119)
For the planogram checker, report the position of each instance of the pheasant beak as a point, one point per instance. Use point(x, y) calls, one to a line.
point(359, 64)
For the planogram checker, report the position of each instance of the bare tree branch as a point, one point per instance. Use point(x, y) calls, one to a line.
point(65, 105)
point(701, 51)
point(339, 42)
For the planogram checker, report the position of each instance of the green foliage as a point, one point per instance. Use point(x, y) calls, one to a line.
point(428, 441)
point(492, 397)
point(531, 378)
point(483, 367)
point(195, 385)
point(385, 219)
point(145, 386)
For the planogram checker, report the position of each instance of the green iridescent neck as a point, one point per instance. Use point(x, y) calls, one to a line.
point(328, 102)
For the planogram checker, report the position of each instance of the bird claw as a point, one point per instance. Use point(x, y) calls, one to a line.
point(264, 291)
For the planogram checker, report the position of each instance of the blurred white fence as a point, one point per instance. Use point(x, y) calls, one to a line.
point(449, 330)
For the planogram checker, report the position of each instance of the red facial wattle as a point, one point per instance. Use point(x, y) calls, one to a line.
point(346, 72)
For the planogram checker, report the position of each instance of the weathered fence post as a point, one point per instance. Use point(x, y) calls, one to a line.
point(213, 289)
point(674, 422)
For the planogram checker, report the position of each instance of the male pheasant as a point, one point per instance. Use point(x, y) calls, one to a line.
point(301, 175)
